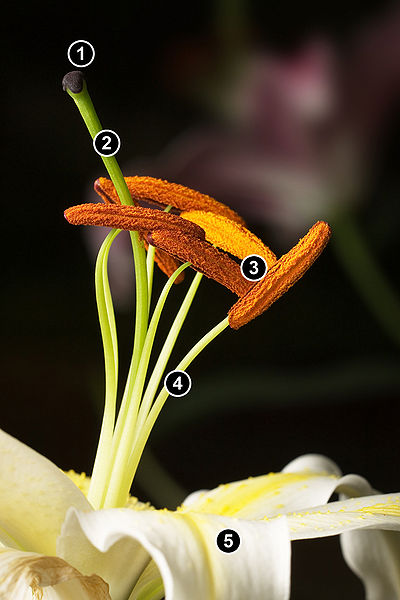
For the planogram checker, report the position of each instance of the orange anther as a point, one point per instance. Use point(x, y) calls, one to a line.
point(282, 275)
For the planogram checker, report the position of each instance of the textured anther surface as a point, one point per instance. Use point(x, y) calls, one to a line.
point(282, 275)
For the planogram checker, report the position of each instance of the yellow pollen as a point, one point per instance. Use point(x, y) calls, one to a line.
point(392, 510)
point(229, 235)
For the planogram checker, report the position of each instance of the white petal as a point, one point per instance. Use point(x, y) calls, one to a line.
point(193, 497)
point(371, 512)
point(309, 480)
point(313, 462)
point(375, 557)
point(27, 575)
point(34, 497)
point(183, 546)
point(119, 559)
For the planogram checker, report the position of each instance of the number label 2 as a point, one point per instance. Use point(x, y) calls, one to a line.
point(107, 143)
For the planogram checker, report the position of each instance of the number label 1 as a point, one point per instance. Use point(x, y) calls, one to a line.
point(81, 53)
point(177, 383)
point(228, 541)
point(253, 267)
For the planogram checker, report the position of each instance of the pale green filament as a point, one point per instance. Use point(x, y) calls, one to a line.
point(130, 424)
point(150, 270)
point(125, 429)
point(110, 346)
point(120, 448)
point(166, 351)
point(131, 380)
point(150, 265)
point(121, 444)
point(145, 430)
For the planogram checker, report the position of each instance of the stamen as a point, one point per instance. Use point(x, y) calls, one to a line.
point(282, 275)
point(163, 193)
point(204, 258)
point(230, 236)
point(131, 218)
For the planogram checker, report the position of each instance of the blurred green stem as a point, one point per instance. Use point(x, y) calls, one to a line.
point(231, 26)
point(354, 253)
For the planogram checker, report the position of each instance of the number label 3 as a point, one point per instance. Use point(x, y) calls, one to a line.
point(253, 267)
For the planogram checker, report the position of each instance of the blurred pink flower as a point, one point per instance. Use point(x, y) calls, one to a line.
point(301, 132)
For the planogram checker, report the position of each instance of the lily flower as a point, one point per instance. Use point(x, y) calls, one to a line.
point(64, 535)
point(55, 545)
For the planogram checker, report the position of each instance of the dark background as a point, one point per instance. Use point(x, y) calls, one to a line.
point(319, 374)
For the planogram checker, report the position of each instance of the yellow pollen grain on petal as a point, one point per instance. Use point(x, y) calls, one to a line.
point(82, 481)
point(229, 235)
point(135, 504)
point(282, 275)
point(234, 499)
point(390, 510)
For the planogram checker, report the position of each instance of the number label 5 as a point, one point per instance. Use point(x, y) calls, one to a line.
point(228, 541)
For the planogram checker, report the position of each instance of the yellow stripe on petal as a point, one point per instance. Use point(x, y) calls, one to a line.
point(229, 236)
point(256, 497)
point(391, 510)
point(368, 512)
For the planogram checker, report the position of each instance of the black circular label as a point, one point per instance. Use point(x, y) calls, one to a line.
point(107, 142)
point(228, 540)
point(253, 267)
point(81, 53)
point(177, 383)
